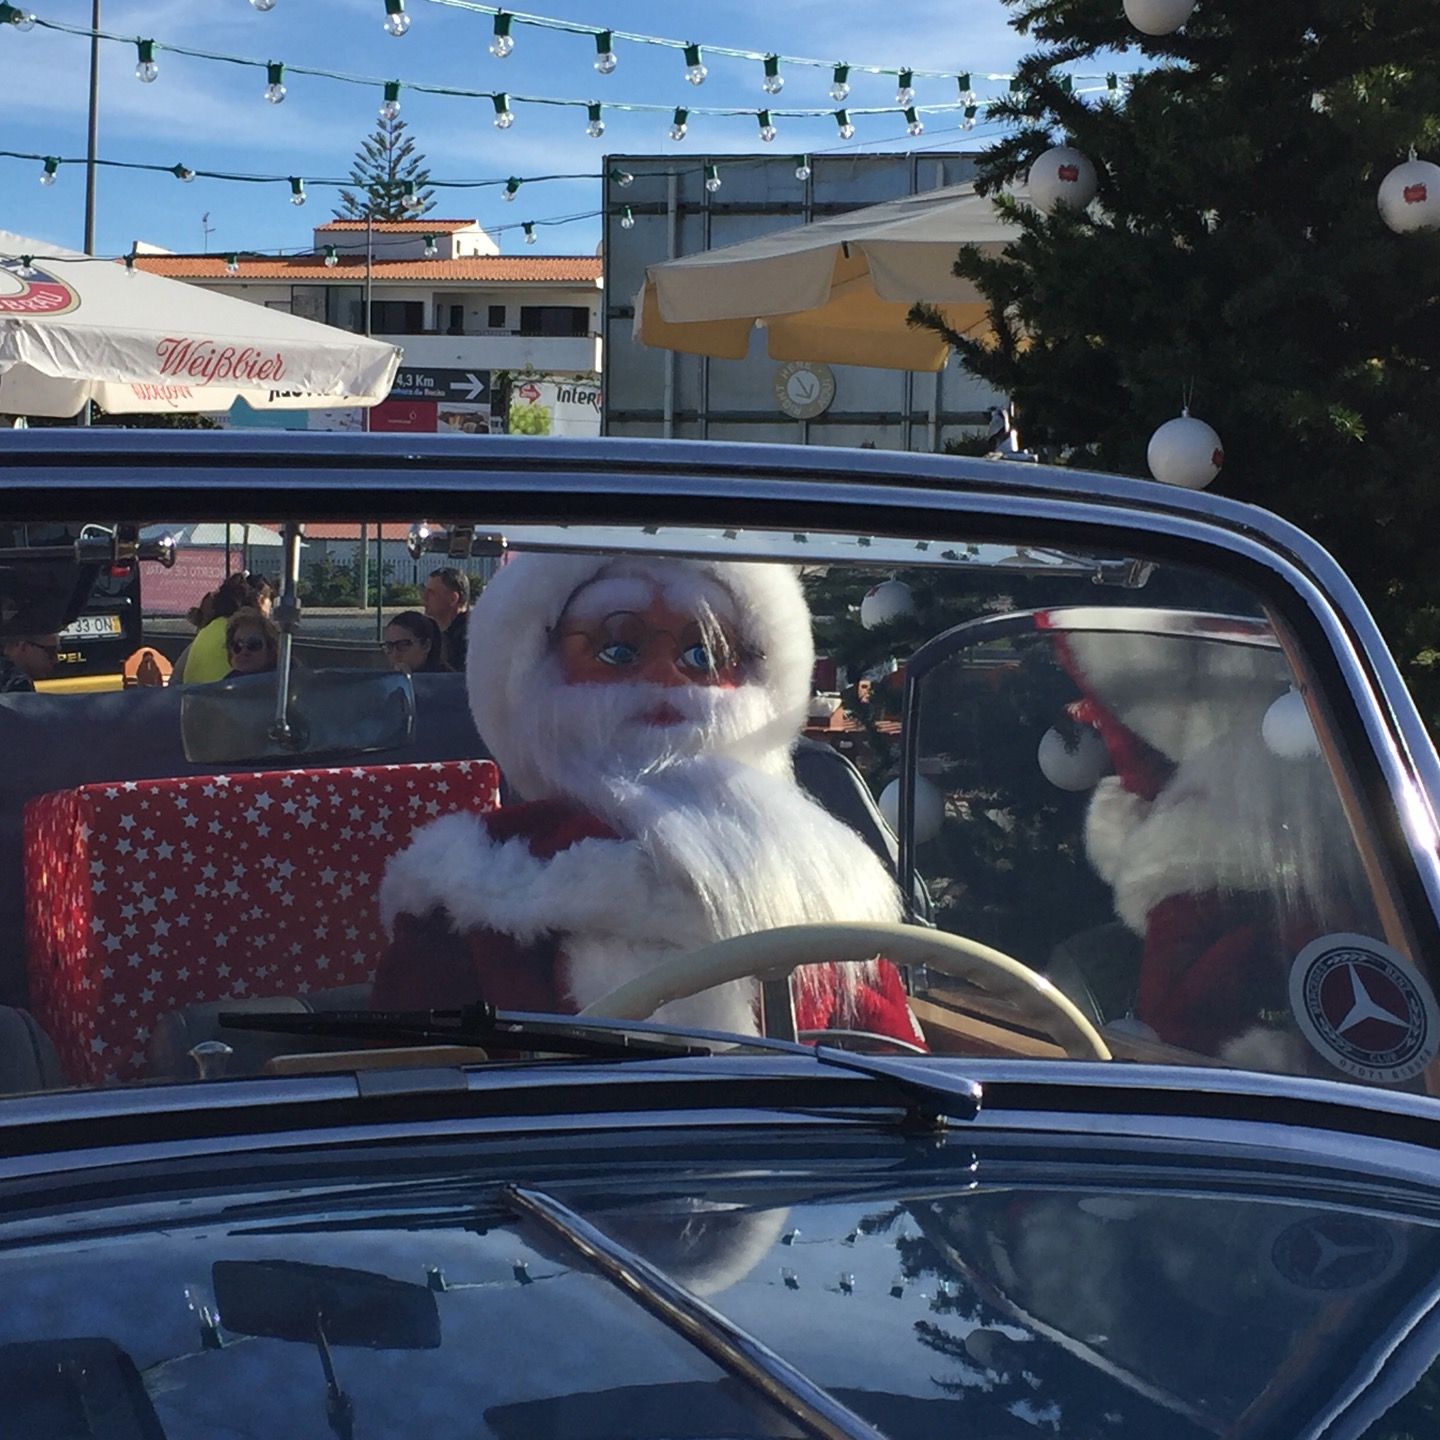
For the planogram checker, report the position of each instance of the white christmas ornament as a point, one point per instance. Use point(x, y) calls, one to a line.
point(1062, 176)
point(886, 602)
point(1158, 17)
point(1079, 768)
point(929, 813)
point(1186, 452)
point(1409, 197)
point(1286, 728)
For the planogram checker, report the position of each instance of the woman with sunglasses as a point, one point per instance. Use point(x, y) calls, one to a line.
point(24, 659)
point(414, 642)
point(252, 643)
point(207, 657)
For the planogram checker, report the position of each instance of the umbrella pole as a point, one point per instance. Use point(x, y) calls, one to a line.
point(91, 147)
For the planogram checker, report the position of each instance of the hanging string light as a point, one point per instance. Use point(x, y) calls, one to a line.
point(512, 188)
point(504, 116)
point(263, 5)
point(596, 128)
point(411, 201)
point(528, 227)
point(842, 121)
point(275, 76)
point(145, 68)
point(767, 130)
point(802, 168)
point(297, 190)
point(905, 91)
point(183, 172)
point(966, 89)
point(47, 175)
point(623, 178)
point(331, 258)
point(431, 250)
point(627, 219)
point(14, 15)
point(232, 264)
point(679, 126)
point(397, 22)
point(502, 43)
point(774, 81)
point(913, 123)
point(971, 111)
point(712, 178)
point(605, 58)
point(390, 105)
point(695, 71)
point(840, 84)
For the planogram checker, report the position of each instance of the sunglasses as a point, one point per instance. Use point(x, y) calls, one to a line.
point(391, 647)
point(246, 647)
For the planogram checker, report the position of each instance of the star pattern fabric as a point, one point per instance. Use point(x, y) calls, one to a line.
point(145, 896)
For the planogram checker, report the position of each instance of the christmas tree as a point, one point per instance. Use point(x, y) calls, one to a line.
point(1234, 260)
point(387, 170)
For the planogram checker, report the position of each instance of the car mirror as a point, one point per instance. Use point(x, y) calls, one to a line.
point(290, 1300)
point(329, 712)
point(58, 1389)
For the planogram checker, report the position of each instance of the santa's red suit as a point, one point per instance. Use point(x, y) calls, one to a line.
point(635, 845)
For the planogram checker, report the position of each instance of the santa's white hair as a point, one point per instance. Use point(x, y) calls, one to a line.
point(735, 845)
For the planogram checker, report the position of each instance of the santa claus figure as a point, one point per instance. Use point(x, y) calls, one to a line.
point(645, 711)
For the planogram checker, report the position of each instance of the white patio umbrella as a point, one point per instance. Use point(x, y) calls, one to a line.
point(73, 328)
point(837, 290)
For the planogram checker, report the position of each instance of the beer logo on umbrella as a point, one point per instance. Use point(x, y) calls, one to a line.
point(29, 289)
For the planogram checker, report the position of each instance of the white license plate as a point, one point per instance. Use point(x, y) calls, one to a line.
point(87, 627)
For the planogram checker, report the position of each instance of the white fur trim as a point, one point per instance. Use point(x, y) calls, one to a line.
point(1278, 1052)
point(1110, 819)
point(509, 641)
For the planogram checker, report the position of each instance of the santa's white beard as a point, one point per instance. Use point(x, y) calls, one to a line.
point(714, 805)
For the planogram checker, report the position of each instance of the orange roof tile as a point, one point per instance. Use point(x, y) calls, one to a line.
point(407, 227)
point(571, 269)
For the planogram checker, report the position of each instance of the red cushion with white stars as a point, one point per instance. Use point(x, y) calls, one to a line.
point(145, 896)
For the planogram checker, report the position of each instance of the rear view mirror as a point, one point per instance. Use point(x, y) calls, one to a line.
point(330, 712)
point(289, 1300)
point(61, 1389)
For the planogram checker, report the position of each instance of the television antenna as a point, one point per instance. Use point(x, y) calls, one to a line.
point(208, 230)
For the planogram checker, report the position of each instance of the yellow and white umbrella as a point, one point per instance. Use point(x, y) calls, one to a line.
point(838, 290)
point(73, 329)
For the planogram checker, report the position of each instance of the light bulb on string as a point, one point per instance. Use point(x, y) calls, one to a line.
point(275, 82)
point(504, 116)
point(397, 22)
point(842, 121)
point(712, 178)
point(146, 69)
point(623, 178)
point(297, 190)
point(774, 81)
point(263, 5)
point(966, 89)
point(905, 90)
point(767, 130)
point(627, 219)
point(502, 42)
point(47, 175)
point(232, 264)
point(529, 228)
point(430, 251)
point(27, 265)
point(17, 17)
point(390, 105)
point(331, 258)
point(840, 84)
point(971, 111)
point(605, 58)
point(680, 126)
point(913, 123)
point(596, 127)
point(695, 71)
point(512, 188)
point(182, 172)
point(412, 202)
point(129, 263)
point(802, 168)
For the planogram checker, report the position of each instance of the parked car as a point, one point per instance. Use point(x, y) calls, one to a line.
point(1155, 821)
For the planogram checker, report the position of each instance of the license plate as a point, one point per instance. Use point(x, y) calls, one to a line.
point(88, 627)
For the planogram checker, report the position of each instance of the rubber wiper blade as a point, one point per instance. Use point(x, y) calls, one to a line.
point(480, 1024)
point(935, 1094)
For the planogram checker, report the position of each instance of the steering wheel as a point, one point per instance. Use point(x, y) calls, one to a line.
point(775, 953)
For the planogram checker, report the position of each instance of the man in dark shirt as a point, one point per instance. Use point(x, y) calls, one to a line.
point(447, 603)
point(25, 659)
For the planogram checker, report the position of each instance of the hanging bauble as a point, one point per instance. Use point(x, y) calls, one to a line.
point(1185, 451)
point(886, 602)
point(1075, 764)
point(1286, 728)
point(1158, 17)
point(1409, 196)
point(929, 809)
point(1062, 176)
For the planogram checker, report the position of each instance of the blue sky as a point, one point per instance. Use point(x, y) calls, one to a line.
point(212, 116)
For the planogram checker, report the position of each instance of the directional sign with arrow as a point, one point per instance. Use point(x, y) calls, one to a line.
point(421, 382)
point(470, 386)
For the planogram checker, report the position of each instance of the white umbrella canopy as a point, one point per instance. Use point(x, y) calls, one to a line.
point(73, 329)
point(837, 290)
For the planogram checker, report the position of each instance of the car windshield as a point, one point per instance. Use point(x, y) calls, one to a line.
point(896, 792)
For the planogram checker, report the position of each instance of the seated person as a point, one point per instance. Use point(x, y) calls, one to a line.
point(252, 641)
point(414, 642)
point(24, 659)
point(646, 710)
point(206, 657)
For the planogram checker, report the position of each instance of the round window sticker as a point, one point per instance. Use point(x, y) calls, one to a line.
point(1365, 1008)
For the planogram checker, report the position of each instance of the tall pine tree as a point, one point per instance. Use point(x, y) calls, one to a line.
point(1235, 257)
point(386, 169)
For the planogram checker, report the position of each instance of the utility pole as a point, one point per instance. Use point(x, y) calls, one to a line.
point(91, 146)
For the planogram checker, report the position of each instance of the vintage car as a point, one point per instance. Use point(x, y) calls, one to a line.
point(1115, 786)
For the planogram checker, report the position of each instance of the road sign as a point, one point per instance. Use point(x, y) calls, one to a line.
point(420, 382)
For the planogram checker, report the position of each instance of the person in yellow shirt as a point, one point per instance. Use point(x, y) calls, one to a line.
point(207, 659)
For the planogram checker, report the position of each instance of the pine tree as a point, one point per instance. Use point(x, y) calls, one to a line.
point(1235, 258)
point(386, 169)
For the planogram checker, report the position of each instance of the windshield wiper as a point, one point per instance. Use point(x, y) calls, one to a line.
point(480, 1024)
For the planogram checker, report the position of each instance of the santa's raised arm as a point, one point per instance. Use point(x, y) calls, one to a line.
point(646, 711)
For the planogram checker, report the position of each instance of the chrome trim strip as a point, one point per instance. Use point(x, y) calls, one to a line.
point(774, 1379)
